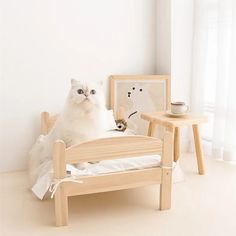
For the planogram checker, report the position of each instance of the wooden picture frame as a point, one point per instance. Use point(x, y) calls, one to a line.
point(137, 94)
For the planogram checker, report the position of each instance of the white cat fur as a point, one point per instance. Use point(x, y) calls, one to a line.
point(83, 118)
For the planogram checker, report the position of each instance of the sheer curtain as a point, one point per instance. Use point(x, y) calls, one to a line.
point(214, 73)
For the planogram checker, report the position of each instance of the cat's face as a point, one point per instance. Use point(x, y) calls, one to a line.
point(86, 94)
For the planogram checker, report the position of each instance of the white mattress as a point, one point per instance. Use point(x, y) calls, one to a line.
point(117, 165)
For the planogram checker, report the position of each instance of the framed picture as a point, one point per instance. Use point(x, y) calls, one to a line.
point(137, 94)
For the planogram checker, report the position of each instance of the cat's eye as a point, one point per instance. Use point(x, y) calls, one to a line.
point(93, 91)
point(80, 91)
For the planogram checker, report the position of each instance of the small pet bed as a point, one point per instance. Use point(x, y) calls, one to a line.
point(126, 161)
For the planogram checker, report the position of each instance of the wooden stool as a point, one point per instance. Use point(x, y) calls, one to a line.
point(173, 124)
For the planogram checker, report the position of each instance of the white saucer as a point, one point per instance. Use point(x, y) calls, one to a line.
point(169, 113)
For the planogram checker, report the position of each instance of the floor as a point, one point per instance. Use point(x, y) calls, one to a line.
point(201, 205)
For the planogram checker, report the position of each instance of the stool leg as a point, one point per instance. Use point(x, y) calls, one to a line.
point(172, 130)
point(177, 144)
point(198, 149)
point(151, 129)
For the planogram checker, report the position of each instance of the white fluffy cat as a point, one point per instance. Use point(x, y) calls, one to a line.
point(83, 118)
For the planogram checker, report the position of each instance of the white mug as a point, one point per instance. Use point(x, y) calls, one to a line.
point(179, 108)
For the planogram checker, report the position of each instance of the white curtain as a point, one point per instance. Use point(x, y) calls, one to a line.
point(214, 73)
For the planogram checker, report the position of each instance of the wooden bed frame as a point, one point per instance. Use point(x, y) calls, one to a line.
point(105, 149)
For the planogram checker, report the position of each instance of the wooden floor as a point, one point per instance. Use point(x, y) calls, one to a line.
point(201, 206)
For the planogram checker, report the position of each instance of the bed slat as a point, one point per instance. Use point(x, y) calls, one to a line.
point(114, 181)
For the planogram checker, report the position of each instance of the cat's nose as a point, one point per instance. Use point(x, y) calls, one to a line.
point(86, 94)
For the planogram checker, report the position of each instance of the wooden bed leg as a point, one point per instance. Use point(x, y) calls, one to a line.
point(61, 207)
point(61, 200)
point(166, 182)
point(44, 122)
point(165, 190)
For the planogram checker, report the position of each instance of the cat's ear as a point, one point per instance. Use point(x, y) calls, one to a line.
point(74, 82)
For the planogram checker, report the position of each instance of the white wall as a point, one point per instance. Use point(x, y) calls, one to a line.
point(163, 31)
point(47, 42)
point(174, 50)
point(181, 45)
point(174, 44)
point(182, 12)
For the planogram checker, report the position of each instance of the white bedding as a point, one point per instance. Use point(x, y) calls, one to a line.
point(44, 181)
point(45, 178)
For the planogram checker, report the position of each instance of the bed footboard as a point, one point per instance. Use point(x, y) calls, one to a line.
point(112, 148)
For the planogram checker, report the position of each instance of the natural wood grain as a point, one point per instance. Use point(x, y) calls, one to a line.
point(173, 125)
point(44, 122)
point(140, 77)
point(170, 129)
point(114, 78)
point(113, 148)
point(198, 148)
point(47, 122)
point(109, 148)
point(167, 150)
point(177, 144)
point(162, 119)
point(115, 181)
point(165, 188)
point(61, 199)
point(151, 129)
